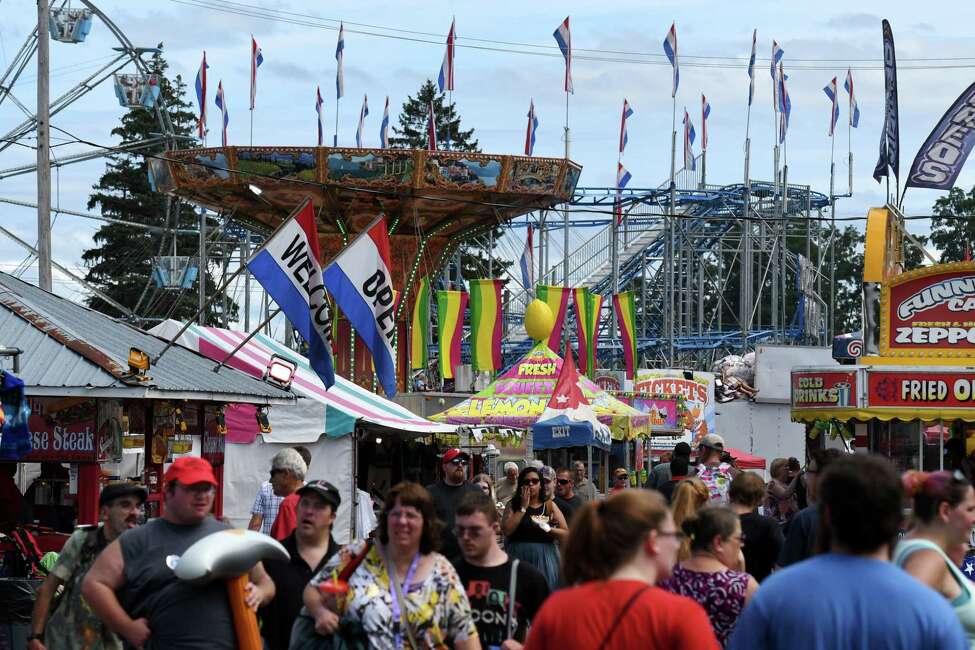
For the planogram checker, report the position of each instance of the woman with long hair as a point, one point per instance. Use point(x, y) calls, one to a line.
point(690, 495)
point(617, 551)
point(402, 593)
point(944, 514)
point(709, 576)
point(780, 501)
point(532, 524)
point(486, 483)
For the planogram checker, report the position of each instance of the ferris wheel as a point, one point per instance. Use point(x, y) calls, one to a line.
point(135, 87)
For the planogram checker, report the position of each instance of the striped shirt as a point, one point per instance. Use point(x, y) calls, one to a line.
point(266, 504)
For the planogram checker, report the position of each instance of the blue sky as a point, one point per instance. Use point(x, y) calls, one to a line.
point(494, 87)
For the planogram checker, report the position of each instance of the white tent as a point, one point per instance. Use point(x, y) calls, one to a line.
point(321, 421)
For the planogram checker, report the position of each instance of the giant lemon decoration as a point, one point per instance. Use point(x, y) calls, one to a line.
point(539, 320)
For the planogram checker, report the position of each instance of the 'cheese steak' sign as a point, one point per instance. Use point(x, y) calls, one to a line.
point(62, 430)
point(823, 389)
point(921, 389)
point(930, 312)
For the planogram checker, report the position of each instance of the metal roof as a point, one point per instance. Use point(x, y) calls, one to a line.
point(69, 348)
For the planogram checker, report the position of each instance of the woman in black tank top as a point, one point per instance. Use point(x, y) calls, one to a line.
point(532, 526)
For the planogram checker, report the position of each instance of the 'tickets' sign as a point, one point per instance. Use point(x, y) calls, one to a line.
point(930, 312)
point(921, 389)
point(824, 389)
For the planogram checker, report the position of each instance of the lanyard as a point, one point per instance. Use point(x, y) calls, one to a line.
point(397, 614)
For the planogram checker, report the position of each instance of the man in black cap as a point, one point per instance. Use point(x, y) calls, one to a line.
point(447, 495)
point(310, 546)
point(73, 624)
point(661, 472)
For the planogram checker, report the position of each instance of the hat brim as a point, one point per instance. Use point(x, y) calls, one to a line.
point(333, 500)
point(127, 491)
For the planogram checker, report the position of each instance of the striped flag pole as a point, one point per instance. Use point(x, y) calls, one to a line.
point(445, 81)
point(339, 81)
point(670, 49)
point(256, 60)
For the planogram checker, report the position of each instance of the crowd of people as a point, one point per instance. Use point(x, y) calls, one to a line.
point(707, 557)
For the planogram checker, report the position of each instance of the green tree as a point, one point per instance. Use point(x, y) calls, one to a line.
point(412, 130)
point(120, 263)
point(953, 224)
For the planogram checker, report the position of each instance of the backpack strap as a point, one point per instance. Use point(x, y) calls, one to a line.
point(512, 623)
point(619, 616)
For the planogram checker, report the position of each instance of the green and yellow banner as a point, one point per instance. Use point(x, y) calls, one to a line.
point(486, 324)
point(450, 315)
point(420, 327)
point(588, 306)
point(625, 306)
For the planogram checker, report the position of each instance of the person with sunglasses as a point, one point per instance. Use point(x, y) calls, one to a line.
point(447, 493)
point(943, 517)
point(565, 496)
point(711, 576)
point(504, 593)
point(532, 525)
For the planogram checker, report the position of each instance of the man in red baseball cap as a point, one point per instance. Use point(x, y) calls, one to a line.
point(447, 494)
point(138, 567)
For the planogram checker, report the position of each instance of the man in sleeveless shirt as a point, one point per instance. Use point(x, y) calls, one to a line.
point(133, 589)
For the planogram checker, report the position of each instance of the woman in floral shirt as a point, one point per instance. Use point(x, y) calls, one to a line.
point(437, 614)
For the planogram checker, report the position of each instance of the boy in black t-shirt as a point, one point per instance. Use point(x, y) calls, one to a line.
point(486, 573)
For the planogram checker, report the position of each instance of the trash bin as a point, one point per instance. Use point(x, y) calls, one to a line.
point(16, 604)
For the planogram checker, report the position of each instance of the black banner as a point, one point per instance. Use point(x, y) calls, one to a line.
point(890, 138)
point(943, 154)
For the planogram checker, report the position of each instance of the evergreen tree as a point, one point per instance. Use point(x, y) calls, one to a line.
point(953, 224)
point(412, 130)
point(120, 263)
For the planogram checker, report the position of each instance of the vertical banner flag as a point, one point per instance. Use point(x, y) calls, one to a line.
point(777, 53)
point(222, 105)
point(557, 299)
point(339, 55)
point(834, 111)
point(625, 306)
point(486, 324)
point(854, 109)
point(564, 39)
point(941, 157)
point(450, 318)
point(384, 127)
point(527, 262)
point(751, 68)
point(890, 148)
point(785, 110)
point(431, 128)
point(420, 327)
point(256, 60)
point(446, 79)
point(318, 109)
point(588, 306)
point(360, 281)
point(201, 96)
point(705, 114)
point(530, 133)
point(627, 112)
point(670, 49)
point(362, 121)
point(689, 135)
point(288, 266)
point(622, 179)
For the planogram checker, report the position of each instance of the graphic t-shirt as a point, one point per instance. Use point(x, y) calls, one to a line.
point(487, 591)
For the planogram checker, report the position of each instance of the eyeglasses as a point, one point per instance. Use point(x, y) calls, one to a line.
point(564, 481)
point(621, 476)
point(460, 462)
point(469, 531)
point(532, 481)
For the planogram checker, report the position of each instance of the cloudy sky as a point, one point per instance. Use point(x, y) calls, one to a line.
point(506, 56)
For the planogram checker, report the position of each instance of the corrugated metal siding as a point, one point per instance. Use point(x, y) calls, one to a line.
point(48, 363)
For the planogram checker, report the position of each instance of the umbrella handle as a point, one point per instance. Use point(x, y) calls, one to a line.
point(245, 620)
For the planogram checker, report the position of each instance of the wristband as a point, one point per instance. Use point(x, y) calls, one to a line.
point(35, 636)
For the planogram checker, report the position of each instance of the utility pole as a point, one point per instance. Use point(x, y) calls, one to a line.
point(43, 149)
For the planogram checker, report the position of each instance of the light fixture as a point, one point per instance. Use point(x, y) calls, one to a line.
point(255, 189)
point(221, 422)
point(280, 371)
point(262, 421)
point(180, 420)
point(379, 440)
point(139, 364)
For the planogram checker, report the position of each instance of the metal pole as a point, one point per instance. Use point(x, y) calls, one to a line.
point(45, 276)
point(832, 243)
point(249, 336)
point(245, 249)
point(565, 226)
point(201, 316)
point(669, 249)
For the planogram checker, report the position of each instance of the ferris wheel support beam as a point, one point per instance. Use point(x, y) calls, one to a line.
point(17, 65)
point(100, 152)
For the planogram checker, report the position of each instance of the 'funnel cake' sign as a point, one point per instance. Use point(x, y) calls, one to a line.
point(930, 312)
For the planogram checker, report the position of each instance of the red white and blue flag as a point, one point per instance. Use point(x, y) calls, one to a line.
point(201, 96)
point(362, 121)
point(222, 105)
point(785, 110)
point(689, 135)
point(530, 132)
point(318, 109)
point(854, 109)
point(527, 261)
point(564, 39)
point(622, 180)
point(384, 127)
point(339, 55)
point(431, 128)
point(705, 114)
point(777, 53)
point(446, 79)
point(288, 266)
point(627, 112)
point(751, 68)
point(834, 111)
point(360, 282)
point(256, 60)
point(670, 49)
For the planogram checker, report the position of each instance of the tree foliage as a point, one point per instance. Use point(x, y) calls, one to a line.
point(953, 224)
point(120, 262)
point(412, 130)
